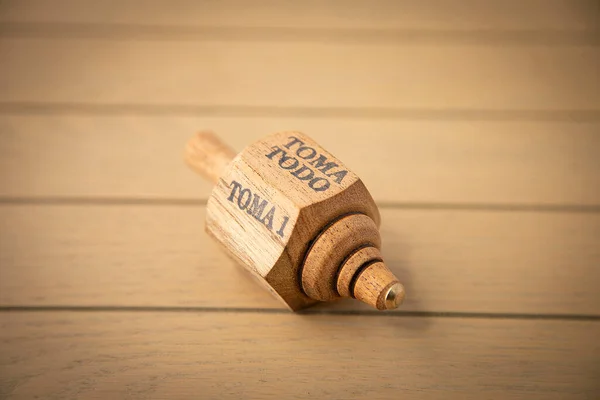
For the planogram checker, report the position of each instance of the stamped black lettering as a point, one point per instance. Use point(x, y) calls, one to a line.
point(276, 150)
point(243, 204)
point(284, 159)
point(339, 176)
point(257, 207)
point(306, 152)
point(304, 173)
point(319, 184)
point(268, 219)
point(283, 225)
point(293, 141)
point(322, 165)
point(236, 186)
point(254, 205)
point(315, 162)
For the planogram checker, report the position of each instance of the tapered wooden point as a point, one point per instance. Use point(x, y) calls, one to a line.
point(352, 265)
point(378, 287)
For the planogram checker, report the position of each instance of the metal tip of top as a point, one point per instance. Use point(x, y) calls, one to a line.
point(394, 296)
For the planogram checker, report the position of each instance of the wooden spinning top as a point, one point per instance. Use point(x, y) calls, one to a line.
point(302, 223)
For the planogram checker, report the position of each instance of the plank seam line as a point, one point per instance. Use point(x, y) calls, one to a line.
point(249, 111)
point(403, 36)
point(318, 311)
point(201, 202)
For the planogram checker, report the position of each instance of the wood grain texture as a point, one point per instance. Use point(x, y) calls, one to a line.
point(302, 74)
point(352, 14)
point(223, 356)
point(352, 264)
point(461, 261)
point(272, 210)
point(458, 162)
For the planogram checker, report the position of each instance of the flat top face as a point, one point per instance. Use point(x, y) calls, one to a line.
point(298, 167)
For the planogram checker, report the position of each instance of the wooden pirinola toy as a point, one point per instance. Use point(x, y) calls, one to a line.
point(300, 221)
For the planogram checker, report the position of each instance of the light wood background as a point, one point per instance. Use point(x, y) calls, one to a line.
point(475, 124)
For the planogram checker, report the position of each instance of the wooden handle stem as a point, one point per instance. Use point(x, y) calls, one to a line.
point(206, 154)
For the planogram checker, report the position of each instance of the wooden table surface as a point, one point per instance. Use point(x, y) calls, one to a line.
point(475, 125)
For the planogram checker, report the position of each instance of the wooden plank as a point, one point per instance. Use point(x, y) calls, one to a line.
point(223, 356)
point(458, 261)
point(463, 162)
point(352, 14)
point(299, 74)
